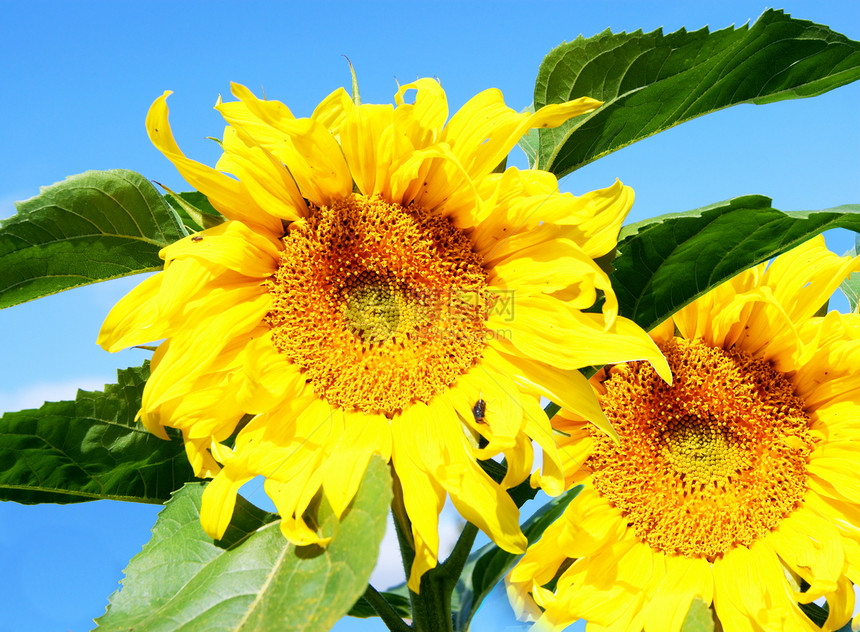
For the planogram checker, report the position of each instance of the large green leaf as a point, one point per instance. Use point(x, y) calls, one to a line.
point(183, 580)
point(88, 449)
point(90, 227)
point(667, 262)
point(650, 82)
point(488, 565)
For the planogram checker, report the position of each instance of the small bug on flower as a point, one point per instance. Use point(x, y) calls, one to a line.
point(479, 410)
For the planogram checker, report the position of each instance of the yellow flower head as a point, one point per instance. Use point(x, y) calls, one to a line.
point(378, 289)
point(736, 485)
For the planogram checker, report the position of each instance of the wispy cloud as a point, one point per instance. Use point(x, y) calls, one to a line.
point(35, 395)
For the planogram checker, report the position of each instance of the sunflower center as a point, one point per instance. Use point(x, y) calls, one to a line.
point(373, 308)
point(710, 463)
point(380, 305)
point(702, 450)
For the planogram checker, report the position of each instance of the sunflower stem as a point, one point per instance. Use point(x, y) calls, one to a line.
point(431, 608)
point(402, 526)
point(381, 607)
point(453, 566)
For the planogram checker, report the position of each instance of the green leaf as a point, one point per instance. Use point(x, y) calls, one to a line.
point(183, 580)
point(88, 449)
point(95, 226)
point(488, 565)
point(851, 286)
point(399, 603)
point(700, 618)
point(650, 82)
point(851, 289)
point(667, 262)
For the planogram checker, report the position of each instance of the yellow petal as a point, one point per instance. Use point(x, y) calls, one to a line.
point(485, 130)
point(550, 331)
point(363, 436)
point(233, 313)
point(423, 496)
point(333, 110)
point(597, 216)
point(135, 319)
point(812, 547)
point(218, 502)
point(512, 205)
point(567, 388)
point(366, 146)
point(421, 122)
point(433, 180)
point(292, 499)
point(227, 195)
point(269, 378)
point(265, 178)
point(315, 160)
point(305, 146)
point(805, 277)
point(502, 419)
point(478, 498)
point(550, 267)
point(262, 119)
point(232, 245)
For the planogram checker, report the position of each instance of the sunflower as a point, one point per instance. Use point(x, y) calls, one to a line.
point(736, 485)
point(377, 289)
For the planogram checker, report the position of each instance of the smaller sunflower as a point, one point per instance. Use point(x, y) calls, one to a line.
point(737, 484)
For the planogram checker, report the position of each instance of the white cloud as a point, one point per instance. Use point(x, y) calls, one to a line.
point(35, 395)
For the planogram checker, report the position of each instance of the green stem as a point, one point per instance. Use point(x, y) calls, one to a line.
point(453, 566)
point(402, 526)
point(431, 608)
point(389, 617)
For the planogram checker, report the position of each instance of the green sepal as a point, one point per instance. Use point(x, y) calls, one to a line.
point(194, 210)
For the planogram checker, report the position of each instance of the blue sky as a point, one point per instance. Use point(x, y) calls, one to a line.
point(84, 74)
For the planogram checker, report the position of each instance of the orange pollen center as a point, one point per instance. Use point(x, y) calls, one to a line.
point(379, 305)
point(710, 463)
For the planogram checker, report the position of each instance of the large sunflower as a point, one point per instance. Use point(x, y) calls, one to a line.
point(377, 289)
point(737, 485)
